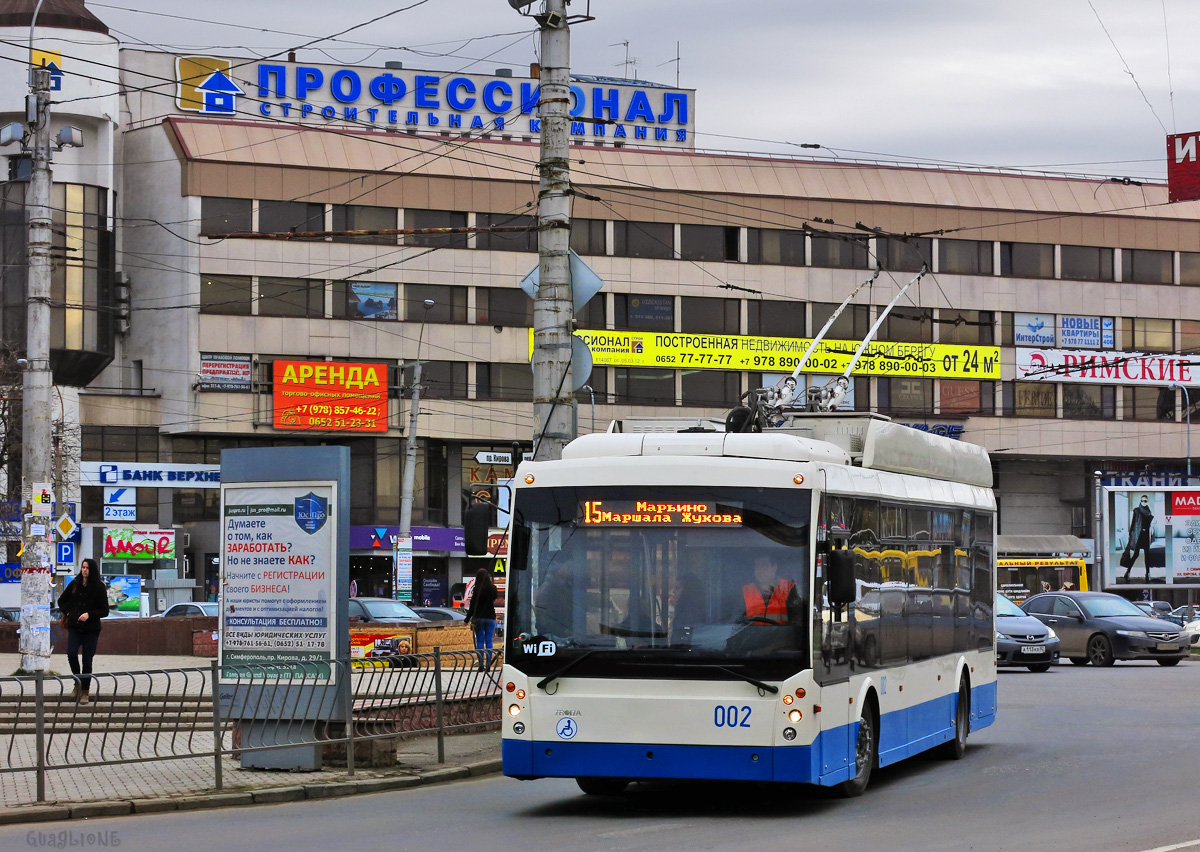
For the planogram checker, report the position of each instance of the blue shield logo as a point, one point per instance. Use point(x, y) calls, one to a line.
point(311, 512)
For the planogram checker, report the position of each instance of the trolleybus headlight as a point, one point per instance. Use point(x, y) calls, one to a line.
point(787, 699)
point(529, 479)
point(510, 686)
point(798, 479)
point(520, 694)
point(514, 709)
point(794, 716)
point(519, 728)
point(789, 734)
point(800, 693)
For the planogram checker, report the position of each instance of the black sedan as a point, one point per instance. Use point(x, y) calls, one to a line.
point(1022, 640)
point(1100, 628)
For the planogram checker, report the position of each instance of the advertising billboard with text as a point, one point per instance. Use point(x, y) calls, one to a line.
point(1152, 537)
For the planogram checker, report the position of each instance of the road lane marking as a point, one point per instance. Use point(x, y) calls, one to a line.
point(1187, 844)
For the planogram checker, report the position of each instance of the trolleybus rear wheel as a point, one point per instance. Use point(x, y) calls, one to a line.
point(602, 786)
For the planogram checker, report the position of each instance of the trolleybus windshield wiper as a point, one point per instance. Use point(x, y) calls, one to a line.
point(766, 687)
point(550, 678)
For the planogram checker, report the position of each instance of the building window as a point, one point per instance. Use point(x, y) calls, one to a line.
point(965, 257)
point(644, 239)
point(906, 396)
point(783, 248)
point(1189, 337)
point(1027, 260)
point(904, 255)
point(119, 443)
point(775, 319)
point(711, 388)
point(587, 236)
point(841, 252)
point(644, 313)
point(643, 386)
point(503, 306)
point(908, 325)
point(279, 217)
point(1147, 335)
point(504, 381)
point(1030, 399)
point(593, 315)
point(973, 328)
point(524, 240)
point(963, 397)
point(224, 215)
point(365, 300)
point(699, 315)
point(439, 379)
point(1087, 263)
point(290, 297)
point(415, 218)
point(225, 294)
point(708, 242)
point(1089, 402)
point(1142, 403)
point(1145, 266)
point(851, 324)
point(195, 504)
point(360, 217)
point(1189, 268)
point(449, 303)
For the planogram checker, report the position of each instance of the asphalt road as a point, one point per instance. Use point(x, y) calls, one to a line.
point(1079, 759)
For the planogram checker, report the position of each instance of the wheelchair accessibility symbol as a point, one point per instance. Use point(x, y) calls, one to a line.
point(567, 728)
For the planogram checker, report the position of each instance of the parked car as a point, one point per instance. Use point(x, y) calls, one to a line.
point(1159, 609)
point(383, 611)
point(440, 613)
point(1185, 613)
point(1022, 640)
point(1101, 628)
point(190, 609)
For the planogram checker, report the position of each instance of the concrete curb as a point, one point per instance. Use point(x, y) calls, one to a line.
point(265, 796)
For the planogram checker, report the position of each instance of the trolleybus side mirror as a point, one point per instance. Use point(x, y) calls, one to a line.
point(841, 577)
point(477, 519)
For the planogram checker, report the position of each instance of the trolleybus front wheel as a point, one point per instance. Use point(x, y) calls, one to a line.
point(866, 752)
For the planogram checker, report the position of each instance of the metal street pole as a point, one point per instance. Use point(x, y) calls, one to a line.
point(553, 395)
point(410, 443)
point(1187, 410)
point(36, 559)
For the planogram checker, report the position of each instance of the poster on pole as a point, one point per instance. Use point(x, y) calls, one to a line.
point(403, 561)
point(1152, 537)
point(279, 588)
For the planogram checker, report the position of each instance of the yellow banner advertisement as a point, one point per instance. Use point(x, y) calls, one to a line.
point(782, 354)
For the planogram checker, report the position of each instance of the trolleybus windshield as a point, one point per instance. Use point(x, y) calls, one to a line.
point(656, 581)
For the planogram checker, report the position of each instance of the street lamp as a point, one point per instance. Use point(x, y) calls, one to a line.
point(410, 458)
point(1187, 410)
point(592, 393)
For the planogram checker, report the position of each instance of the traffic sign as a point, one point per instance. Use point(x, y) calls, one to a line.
point(66, 553)
point(66, 527)
point(120, 513)
point(119, 495)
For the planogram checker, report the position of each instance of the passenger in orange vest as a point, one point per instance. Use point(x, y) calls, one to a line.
point(771, 598)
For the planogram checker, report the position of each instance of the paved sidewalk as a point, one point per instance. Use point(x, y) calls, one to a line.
point(188, 783)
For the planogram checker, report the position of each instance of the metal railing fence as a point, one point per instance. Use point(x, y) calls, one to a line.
point(222, 712)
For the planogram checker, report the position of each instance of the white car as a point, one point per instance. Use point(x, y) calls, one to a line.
point(191, 609)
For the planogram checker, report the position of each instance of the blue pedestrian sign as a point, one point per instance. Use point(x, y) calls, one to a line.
point(66, 553)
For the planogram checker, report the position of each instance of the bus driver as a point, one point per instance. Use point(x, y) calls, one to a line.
point(771, 598)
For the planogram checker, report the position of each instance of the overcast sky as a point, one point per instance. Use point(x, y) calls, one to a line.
point(1027, 83)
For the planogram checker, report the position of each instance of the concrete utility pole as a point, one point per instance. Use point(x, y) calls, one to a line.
point(410, 440)
point(37, 558)
point(553, 394)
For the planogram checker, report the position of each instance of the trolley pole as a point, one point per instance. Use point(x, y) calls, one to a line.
point(553, 394)
point(36, 558)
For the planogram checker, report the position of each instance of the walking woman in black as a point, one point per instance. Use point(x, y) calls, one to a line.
point(83, 603)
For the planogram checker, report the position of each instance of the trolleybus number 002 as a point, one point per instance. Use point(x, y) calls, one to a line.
point(731, 716)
